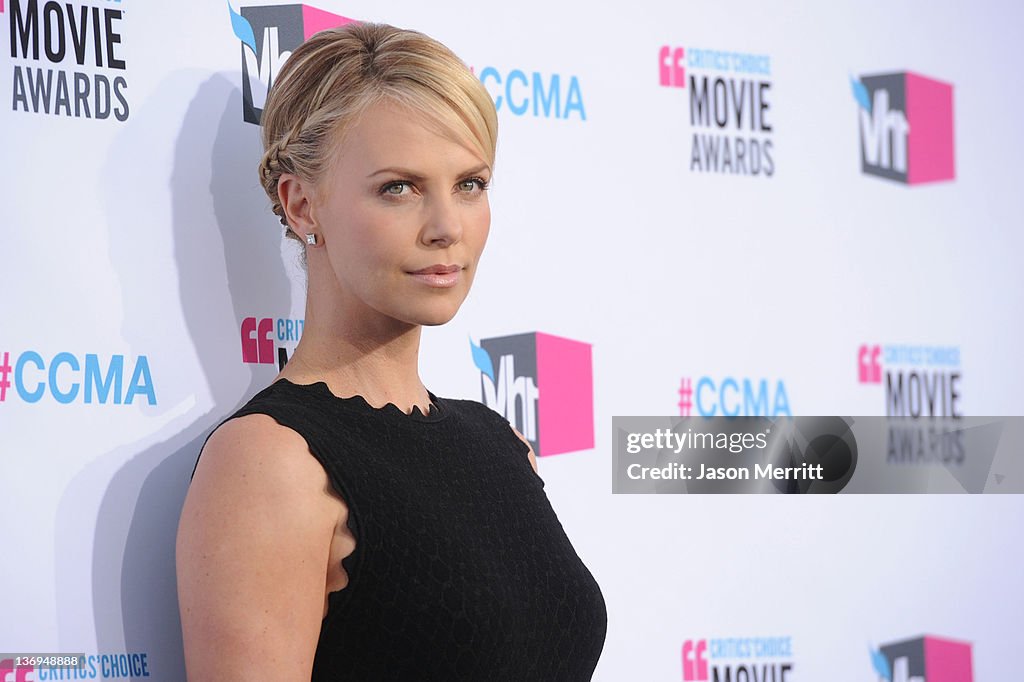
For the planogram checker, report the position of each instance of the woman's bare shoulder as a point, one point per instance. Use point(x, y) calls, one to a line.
point(254, 455)
point(252, 550)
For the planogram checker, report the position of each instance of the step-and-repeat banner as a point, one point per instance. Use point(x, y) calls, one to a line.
point(699, 209)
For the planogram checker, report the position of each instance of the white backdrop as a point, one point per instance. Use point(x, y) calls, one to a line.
point(149, 240)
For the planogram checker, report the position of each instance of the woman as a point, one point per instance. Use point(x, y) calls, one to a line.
point(416, 543)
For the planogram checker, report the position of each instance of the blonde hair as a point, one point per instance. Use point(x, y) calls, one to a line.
point(333, 77)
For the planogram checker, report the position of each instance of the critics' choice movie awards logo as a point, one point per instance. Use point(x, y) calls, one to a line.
point(906, 127)
point(268, 36)
point(266, 340)
point(70, 378)
point(923, 659)
point(543, 385)
point(744, 659)
point(733, 397)
point(729, 95)
point(919, 381)
point(68, 58)
point(922, 389)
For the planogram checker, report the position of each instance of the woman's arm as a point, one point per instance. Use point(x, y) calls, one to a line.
point(252, 552)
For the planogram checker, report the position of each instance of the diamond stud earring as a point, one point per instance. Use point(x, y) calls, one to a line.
point(311, 238)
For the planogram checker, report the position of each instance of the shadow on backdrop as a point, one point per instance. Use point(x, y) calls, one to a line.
point(227, 255)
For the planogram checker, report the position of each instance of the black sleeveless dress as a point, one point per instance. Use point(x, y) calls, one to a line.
point(461, 569)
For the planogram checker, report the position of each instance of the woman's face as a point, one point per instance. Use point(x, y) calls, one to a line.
point(404, 217)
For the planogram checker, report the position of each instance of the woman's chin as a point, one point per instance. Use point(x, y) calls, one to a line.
point(434, 314)
point(436, 319)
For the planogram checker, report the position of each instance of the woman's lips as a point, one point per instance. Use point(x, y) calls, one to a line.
point(440, 276)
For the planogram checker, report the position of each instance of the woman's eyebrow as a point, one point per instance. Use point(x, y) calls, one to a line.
point(416, 176)
point(478, 169)
point(397, 171)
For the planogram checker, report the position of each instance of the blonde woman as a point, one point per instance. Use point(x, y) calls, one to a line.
point(347, 523)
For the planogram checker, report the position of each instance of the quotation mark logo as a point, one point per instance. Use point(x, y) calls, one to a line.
point(258, 340)
point(671, 73)
point(869, 369)
point(695, 662)
point(21, 672)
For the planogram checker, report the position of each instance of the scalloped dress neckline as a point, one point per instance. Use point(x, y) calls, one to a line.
point(435, 412)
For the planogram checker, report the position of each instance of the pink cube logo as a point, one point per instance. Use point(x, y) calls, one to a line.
point(906, 127)
point(924, 659)
point(268, 35)
point(543, 385)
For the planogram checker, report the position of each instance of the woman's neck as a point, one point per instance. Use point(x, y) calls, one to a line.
point(366, 354)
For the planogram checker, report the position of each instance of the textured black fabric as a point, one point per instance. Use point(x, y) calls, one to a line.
point(461, 569)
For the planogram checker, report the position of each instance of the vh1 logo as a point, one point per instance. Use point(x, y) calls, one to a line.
point(543, 385)
point(906, 127)
point(924, 659)
point(268, 35)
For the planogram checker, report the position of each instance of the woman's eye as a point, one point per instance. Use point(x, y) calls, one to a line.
point(395, 188)
point(472, 184)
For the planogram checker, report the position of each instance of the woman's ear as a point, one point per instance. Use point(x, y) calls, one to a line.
point(296, 196)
